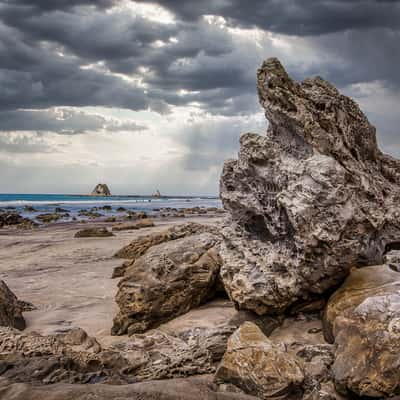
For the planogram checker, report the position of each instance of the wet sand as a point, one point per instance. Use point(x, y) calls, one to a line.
point(66, 278)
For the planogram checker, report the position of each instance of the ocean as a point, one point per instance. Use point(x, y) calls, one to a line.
point(46, 203)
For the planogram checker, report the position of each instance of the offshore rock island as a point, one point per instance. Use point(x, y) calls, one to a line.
point(293, 293)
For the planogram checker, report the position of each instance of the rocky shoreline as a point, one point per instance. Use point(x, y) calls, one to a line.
point(293, 294)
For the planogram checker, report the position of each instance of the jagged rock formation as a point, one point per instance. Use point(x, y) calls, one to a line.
point(363, 318)
point(307, 201)
point(167, 281)
point(10, 308)
point(101, 190)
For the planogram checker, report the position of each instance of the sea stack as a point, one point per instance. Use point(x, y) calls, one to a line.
point(157, 194)
point(101, 190)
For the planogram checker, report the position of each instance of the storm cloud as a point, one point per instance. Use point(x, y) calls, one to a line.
point(182, 73)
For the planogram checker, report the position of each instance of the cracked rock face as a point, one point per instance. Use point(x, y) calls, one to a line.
point(307, 201)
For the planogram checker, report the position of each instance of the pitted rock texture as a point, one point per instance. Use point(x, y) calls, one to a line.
point(309, 200)
point(167, 281)
point(190, 345)
point(10, 308)
point(363, 318)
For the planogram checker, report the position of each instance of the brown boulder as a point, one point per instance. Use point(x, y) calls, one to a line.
point(167, 281)
point(363, 318)
point(141, 244)
point(254, 364)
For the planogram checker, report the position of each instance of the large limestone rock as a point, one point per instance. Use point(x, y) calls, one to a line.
point(309, 200)
point(254, 364)
point(10, 308)
point(363, 318)
point(167, 281)
point(101, 190)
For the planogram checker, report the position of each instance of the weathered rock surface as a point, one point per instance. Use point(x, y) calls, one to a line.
point(139, 246)
point(10, 308)
point(253, 363)
point(189, 345)
point(363, 318)
point(167, 281)
point(101, 189)
point(174, 389)
point(93, 232)
point(309, 200)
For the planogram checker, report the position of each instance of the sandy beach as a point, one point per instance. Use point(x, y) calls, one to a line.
point(69, 279)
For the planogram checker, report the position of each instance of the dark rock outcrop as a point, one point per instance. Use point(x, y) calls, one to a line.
point(8, 218)
point(142, 223)
point(10, 308)
point(101, 189)
point(309, 200)
point(93, 232)
point(167, 281)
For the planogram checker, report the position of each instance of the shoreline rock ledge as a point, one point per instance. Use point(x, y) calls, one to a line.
point(307, 201)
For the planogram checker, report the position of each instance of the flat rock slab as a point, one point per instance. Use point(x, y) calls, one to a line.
point(175, 389)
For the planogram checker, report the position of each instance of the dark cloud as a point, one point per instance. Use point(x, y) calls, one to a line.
point(50, 5)
point(295, 17)
point(83, 53)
